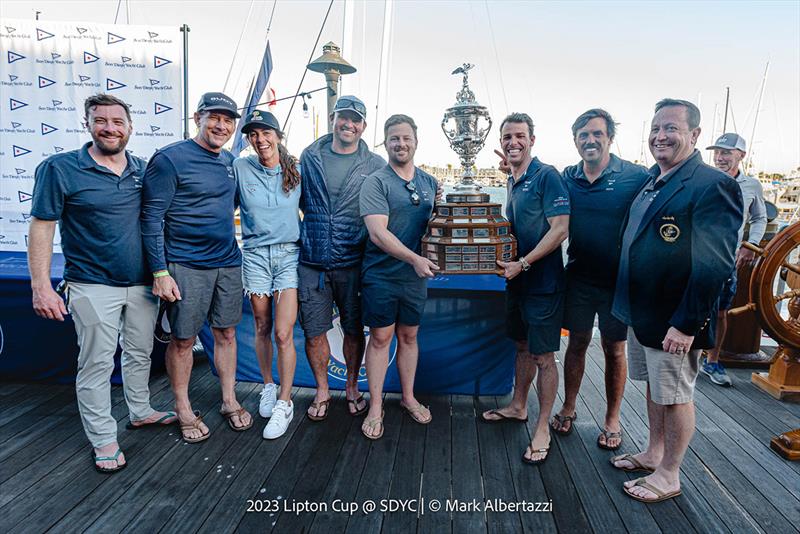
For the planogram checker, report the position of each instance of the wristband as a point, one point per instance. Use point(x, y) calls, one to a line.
point(525, 264)
point(159, 274)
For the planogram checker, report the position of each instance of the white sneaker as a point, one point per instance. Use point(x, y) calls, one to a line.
point(282, 415)
point(267, 402)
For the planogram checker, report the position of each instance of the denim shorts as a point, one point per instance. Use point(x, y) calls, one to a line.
point(270, 268)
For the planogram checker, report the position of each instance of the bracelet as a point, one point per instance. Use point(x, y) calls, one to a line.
point(525, 264)
point(161, 273)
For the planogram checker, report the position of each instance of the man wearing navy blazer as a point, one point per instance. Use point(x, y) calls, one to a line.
point(677, 250)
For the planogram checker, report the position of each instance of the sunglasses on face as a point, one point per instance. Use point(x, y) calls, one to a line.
point(413, 190)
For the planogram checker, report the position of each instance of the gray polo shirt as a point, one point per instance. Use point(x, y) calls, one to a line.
point(385, 193)
point(755, 211)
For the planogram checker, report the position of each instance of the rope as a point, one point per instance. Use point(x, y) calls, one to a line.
point(239, 42)
point(310, 57)
point(116, 15)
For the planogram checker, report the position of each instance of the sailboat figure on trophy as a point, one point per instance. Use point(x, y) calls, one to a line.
point(468, 234)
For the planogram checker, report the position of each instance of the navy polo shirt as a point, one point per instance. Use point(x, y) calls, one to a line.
point(99, 217)
point(540, 193)
point(598, 211)
point(188, 200)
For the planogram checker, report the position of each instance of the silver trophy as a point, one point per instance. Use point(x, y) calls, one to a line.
point(468, 234)
point(466, 126)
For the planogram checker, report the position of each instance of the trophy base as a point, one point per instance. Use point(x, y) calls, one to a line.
point(469, 237)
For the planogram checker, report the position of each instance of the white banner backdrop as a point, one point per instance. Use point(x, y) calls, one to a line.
point(47, 70)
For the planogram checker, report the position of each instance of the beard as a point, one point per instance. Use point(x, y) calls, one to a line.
point(109, 149)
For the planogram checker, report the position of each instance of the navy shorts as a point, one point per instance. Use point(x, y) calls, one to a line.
point(584, 301)
point(319, 290)
point(386, 303)
point(535, 318)
point(728, 292)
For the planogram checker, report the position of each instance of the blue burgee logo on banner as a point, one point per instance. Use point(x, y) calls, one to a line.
point(54, 55)
point(20, 171)
point(58, 149)
point(41, 35)
point(151, 34)
point(81, 30)
point(16, 104)
point(19, 151)
point(84, 78)
point(57, 103)
point(13, 56)
point(12, 78)
point(9, 29)
point(15, 124)
point(160, 108)
point(89, 57)
point(23, 196)
point(47, 128)
point(154, 128)
point(45, 82)
point(160, 61)
point(114, 38)
point(113, 84)
point(26, 216)
point(125, 59)
point(154, 82)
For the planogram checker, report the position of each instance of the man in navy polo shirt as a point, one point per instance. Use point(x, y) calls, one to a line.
point(538, 209)
point(95, 193)
point(601, 188)
point(189, 237)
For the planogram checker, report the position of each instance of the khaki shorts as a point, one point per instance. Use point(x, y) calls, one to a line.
point(671, 377)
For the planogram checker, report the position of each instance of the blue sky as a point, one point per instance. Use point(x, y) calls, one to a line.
point(553, 60)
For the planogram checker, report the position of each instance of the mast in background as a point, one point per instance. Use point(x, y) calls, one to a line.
point(748, 164)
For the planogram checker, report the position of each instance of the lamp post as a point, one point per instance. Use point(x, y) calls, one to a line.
point(332, 65)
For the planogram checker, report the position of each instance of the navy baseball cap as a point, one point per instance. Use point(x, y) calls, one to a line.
point(260, 119)
point(217, 102)
point(730, 141)
point(351, 103)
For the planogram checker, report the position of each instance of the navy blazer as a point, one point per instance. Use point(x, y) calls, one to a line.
point(682, 254)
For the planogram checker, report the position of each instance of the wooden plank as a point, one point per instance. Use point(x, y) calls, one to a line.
point(44, 504)
point(28, 399)
point(497, 477)
point(407, 476)
point(467, 481)
point(230, 508)
point(744, 383)
point(302, 469)
point(343, 483)
point(437, 470)
point(7, 389)
point(377, 474)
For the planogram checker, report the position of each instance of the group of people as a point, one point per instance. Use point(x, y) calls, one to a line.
point(651, 255)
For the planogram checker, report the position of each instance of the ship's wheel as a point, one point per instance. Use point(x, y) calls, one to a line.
point(779, 258)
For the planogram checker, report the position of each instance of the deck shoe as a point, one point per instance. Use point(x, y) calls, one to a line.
point(282, 415)
point(716, 373)
point(268, 398)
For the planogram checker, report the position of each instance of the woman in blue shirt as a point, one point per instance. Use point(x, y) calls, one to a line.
point(269, 193)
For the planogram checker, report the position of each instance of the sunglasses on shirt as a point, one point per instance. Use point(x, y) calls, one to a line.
point(414, 195)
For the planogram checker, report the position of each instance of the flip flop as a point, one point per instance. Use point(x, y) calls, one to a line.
point(106, 470)
point(561, 420)
point(237, 413)
point(194, 425)
point(371, 424)
point(609, 435)
point(501, 417)
point(354, 404)
point(160, 422)
point(660, 495)
point(637, 465)
point(317, 406)
point(419, 413)
point(545, 450)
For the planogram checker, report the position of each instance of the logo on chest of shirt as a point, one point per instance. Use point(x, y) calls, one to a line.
point(137, 182)
point(229, 168)
point(669, 232)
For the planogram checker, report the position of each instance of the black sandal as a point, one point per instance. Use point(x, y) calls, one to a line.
point(561, 420)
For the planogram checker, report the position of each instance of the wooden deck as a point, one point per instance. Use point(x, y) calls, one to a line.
point(732, 481)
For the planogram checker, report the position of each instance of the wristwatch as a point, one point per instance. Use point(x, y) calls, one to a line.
point(525, 264)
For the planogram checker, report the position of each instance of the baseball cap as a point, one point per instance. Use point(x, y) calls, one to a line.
point(263, 119)
point(730, 141)
point(351, 103)
point(217, 102)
